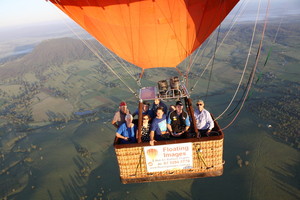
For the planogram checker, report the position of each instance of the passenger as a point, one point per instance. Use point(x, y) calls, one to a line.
point(203, 119)
point(145, 129)
point(178, 121)
point(171, 109)
point(126, 132)
point(158, 103)
point(145, 111)
point(119, 117)
point(158, 129)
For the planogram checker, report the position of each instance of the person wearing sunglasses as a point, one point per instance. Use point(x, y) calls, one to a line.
point(145, 128)
point(203, 119)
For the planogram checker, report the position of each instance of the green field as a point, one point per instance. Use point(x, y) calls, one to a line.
point(41, 140)
point(56, 169)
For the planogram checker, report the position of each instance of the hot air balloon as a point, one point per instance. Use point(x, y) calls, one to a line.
point(153, 34)
point(149, 33)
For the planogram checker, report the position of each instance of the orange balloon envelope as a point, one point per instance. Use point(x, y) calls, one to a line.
point(152, 153)
point(149, 33)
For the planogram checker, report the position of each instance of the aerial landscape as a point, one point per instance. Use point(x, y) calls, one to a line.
point(57, 100)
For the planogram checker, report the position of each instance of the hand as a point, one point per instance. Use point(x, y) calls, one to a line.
point(126, 138)
point(208, 132)
point(178, 134)
point(152, 142)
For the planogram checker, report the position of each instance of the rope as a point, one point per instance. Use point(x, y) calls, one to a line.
point(179, 72)
point(120, 62)
point(140, 78)
point(232, 25)
point(96, 53)
point(200, 157)
point(241, 99)
point(255, 66)
point(261, 73)
point(245, 66)
point(212, 66)
point(197, 56)
point(268, 56)
point(270, 51)
point(140, 161)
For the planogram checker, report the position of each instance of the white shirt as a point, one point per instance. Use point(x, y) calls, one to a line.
point(203, 120)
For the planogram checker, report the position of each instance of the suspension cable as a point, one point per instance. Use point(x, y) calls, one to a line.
point(270, 51)
point(255, 66)
point(92, 48)
point(119, 61)
point(221, 43)
point(245, 66)
point(201, 54)
point(212, 65)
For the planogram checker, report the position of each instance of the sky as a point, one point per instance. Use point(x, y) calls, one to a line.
point(23, 12)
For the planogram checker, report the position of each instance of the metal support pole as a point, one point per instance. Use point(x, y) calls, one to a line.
point(190, 109)
point(140, 121)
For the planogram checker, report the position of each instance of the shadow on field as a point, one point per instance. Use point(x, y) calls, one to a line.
point(105, 178)
point(287, 179)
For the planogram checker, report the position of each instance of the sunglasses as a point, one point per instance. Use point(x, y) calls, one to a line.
point(199, 104)
point(145, 119)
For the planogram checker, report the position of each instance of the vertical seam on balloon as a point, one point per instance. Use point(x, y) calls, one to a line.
point(124, 67)
point(172, 26)
point(187, 64)
point(156, 33)
point(141, 41)
point(139, 30)
point(198, 29)
point(180, 43)
point(120, 61)
point(130, 43)
point(172, 29)
point(165, 47)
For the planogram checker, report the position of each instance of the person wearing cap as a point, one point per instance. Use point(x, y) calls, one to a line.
point(203, 119)
point(126, 132)
point(178, 121)
point(119, 117)
point(145, 110)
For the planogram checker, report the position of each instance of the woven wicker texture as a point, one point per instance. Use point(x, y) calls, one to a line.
point(207, 158)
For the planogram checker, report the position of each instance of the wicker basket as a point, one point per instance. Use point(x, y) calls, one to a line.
point(207, 161)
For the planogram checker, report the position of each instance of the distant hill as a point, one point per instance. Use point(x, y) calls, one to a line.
point(48, 53)
point(55, 52)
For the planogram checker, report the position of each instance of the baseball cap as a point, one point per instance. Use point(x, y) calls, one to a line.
point(123, 103)
point(179, 103)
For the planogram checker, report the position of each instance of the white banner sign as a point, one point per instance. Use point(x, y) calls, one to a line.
point(169, 157)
